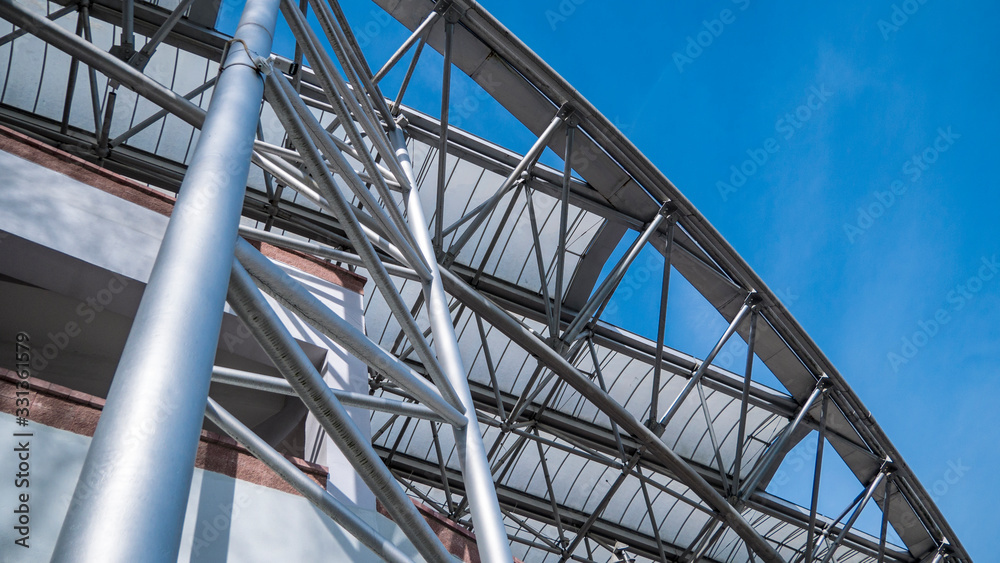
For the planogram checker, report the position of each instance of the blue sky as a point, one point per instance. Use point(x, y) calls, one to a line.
point(873, 215)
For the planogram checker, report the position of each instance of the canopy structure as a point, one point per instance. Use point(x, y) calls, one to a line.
point(551, 434)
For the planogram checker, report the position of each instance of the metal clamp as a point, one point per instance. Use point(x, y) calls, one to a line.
point(263, 65)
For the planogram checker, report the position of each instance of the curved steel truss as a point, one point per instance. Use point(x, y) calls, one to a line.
point(498, 394)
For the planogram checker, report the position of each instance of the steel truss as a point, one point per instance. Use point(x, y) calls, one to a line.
point(377, 223)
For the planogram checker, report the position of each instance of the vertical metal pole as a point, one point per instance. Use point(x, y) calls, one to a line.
point(611, 282)
point(449, 29)
point(74, 69)
point(486, 516)
point(540, 265)
point(132, 494)
point(813, 507)
point(563, 220)
point(417, 34)
point(696, 377)
point(744, 400)
point(661, 328)
point(321, 499)
point(95, 97)
point(885, 520)
point(774, 450)
point(854, 517)
point(128, 35)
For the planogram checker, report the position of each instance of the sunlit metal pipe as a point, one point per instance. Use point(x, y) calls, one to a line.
point(260, 382)
point(145, 443)
point(294, 365)
point(308, 488)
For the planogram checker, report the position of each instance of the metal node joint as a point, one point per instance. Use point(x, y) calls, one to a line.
point(263, 65)
point(448, 9)
point(567, 112)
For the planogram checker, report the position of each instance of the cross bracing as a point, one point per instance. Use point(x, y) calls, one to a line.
point(576, 436)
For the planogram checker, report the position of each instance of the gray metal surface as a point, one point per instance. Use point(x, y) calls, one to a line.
point(121, 509)
point(560, 397)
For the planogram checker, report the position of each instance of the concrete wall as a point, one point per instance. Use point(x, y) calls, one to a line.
point(77, 245)
point(228, 519)
point(83, 248)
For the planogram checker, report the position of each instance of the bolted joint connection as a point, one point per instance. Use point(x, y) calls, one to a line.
point(567, 112)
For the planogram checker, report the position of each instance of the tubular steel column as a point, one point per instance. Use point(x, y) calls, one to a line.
point(132, 495)
point(491, 535)
point(610, 283)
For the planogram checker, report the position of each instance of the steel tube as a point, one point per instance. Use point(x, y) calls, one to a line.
point(775, 449)
point(323, 250)
point(817, 473)
point(563, 221)
point(611, 282)
point(308, 488)
point(160, 114)
point(525, 164)
point(345, 213)
point(406, 78)
point(340, 97)
point(744, 400)
point(442, 171)
point(276, 283)
point(424, 25)
point(310, 188)
point(854, 517)
point(684, 472)
point(51, 17)
point(144, 446)
point(74, 70)
point(345, 105)
point(352, 41)
point(351, 62)
point(885, 522)
point(491, 534)
point(295, 366)
point(661, 326)
point(161, 33)
point(696, 377)
point(553, 321)
point(128, 33)
point(113, 68)
point(260, 382)
point(328, 148)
